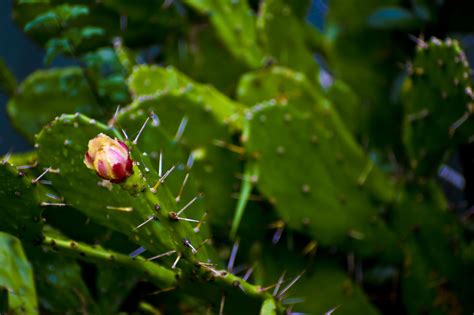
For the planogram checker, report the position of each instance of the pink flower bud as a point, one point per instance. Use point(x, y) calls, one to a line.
point(109, 158)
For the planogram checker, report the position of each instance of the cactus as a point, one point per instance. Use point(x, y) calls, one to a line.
point(433, 250)
point(20, 210)
point(238, 161)
point(439, 75)
point(314, 200)
point(49, 89)
point(16, 277)
point(277, 25)
point(234, 22)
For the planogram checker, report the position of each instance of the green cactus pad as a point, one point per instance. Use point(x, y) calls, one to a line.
point(277, 27)
point(147, 81)
point(48, 93)
point(114, 284)
point(234, 22)
point(349, 106)
point(434, 269)
point(20, 211)
point(323, 287)
point(276, 82)
point(214, 167)
point(201, 57)
point(16, 277)
point(322, 195)
point(62, 145)
point(439, 102)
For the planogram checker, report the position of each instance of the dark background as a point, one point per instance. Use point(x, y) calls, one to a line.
point(22, 57)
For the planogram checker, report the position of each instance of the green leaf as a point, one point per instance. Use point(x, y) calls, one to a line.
point(16, 276)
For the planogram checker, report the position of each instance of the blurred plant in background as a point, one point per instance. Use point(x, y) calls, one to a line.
point(277, 167)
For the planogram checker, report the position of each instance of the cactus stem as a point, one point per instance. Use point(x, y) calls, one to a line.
point(162, 179)
point(285, 289)
point(221, 308)
point(46, 171)
point(187, 243)
point(52, 204)
point(168, 253)
point(135, 141)
point(178, 197)
point(113, 120)
point(125, 209)
point(150, 218)
point(188, 204)
point(229, 146)
point(233, 254)
point(181, 127)
point(176, 262)
point(279, 282)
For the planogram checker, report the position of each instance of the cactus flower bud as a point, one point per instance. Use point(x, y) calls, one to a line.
point(109, 158)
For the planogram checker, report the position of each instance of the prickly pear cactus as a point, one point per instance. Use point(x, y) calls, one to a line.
point(438, 103)
point(238, 161)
